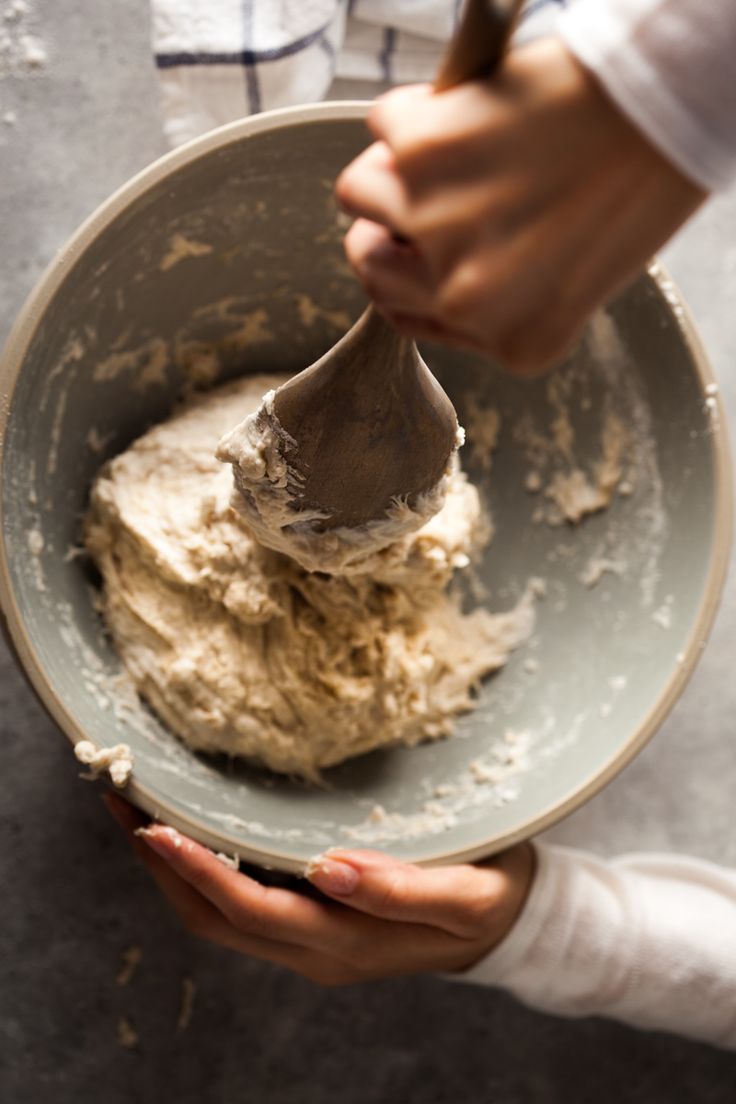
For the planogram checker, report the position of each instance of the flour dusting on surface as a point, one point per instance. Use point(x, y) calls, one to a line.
point(22, 51)
point(483, 426)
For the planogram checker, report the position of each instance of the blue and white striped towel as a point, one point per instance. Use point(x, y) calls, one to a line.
point(221, 59)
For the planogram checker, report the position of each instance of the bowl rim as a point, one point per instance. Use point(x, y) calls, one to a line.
point(11, 619)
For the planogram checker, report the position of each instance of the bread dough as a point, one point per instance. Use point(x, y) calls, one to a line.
point(117, 761)
point(266, 486)
point(241, 650)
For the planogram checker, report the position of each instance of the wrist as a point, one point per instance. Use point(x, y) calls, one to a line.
point(518, 866)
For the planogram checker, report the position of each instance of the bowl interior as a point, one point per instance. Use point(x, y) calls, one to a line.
point(229, 260)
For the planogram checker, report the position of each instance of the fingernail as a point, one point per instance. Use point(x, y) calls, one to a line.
point(332, 876)
point(160, 839)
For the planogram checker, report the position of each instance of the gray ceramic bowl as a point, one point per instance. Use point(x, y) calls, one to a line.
point(225, 257)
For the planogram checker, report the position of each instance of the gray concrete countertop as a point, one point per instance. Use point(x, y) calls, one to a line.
point(73, 896)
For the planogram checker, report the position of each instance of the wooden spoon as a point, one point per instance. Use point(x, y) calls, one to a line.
point(370, 421)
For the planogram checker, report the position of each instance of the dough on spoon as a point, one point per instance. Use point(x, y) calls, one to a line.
point(241, 650)
point(266, 487)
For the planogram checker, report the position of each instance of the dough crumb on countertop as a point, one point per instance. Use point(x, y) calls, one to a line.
point(130, 961)
point(186, 1004)
point(127, 1036)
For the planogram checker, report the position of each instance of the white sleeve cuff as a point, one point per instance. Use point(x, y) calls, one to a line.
point(668, 64)
point(508, 957)
point(646, 939)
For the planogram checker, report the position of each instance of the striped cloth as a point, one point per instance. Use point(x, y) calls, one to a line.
point(221, 59)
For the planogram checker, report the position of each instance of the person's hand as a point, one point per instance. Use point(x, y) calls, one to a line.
point(523, 202)
point(384, 918)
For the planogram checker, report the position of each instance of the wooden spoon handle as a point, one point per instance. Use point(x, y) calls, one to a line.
point(479, 43)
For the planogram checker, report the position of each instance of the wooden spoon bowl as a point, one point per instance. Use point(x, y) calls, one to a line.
point(372, 424)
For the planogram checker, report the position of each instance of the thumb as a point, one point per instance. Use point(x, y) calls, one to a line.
point(463, 900)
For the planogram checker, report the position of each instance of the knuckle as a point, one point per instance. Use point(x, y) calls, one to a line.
point(392, 107)
point(418, 151)
point(466, 293)
point(355, 248)
point(345, 187)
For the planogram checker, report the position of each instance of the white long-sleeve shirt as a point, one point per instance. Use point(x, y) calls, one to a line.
point(669, 65)
point(646, 939)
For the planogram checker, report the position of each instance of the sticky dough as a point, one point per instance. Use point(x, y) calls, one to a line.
point(239, 649)
point(265, 487)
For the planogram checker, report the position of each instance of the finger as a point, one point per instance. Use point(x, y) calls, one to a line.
point(197, 914)
point(256, 910)
point(370, 188)
point(127, 816)
point(400, 283)
point(432, 133)
point(392, 272)
point(327, 944)
point(277, 922)
point(492, 296)
point(391, 116)
point(202, 919)
point(459, 900)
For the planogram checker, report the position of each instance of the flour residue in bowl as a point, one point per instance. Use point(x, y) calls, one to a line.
point(602, 548)
point(613, 463)
point(588, 445)
point(22, 50)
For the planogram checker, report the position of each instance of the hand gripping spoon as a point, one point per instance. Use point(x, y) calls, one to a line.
point(370, 423)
